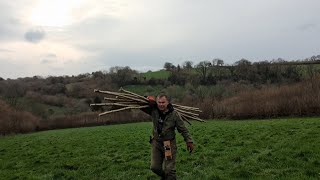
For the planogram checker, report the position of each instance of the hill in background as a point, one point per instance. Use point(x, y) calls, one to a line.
point(243, 90)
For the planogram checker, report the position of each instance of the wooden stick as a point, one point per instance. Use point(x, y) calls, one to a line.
point(177, 109)
point(187, 107)
point(137, 95)
point(194, 118)
point(118, 94)
point(133, 97)
point(129, 100)
point(116, 99)
point(122, 109)
point(189, 116)
point(110, 104)
point(184, 119)
point(131, 103)
point(133, 94)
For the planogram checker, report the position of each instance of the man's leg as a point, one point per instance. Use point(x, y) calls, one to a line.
point(170, 165)
point(157, 156)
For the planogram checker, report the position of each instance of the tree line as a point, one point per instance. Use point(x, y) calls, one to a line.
point(221, 90)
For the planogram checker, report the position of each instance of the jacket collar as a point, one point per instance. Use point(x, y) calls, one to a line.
point(170, 109)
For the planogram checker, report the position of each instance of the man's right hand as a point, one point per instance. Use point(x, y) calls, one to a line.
point(152, 100)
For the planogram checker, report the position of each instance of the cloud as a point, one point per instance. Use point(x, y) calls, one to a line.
point(308, 27)
point(49, 58)
point(5, 50)
point(48, 61)
point(144, 35)
point(51, 55)
point(12, 19)
point(35, 35)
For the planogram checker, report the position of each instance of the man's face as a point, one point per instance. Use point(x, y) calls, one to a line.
point(162, 103)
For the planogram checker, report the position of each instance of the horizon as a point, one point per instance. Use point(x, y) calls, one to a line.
point(159, 69)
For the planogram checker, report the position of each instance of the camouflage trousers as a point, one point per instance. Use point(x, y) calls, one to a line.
point(166, 169)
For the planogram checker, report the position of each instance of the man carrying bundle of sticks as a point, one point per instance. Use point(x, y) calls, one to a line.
point(164, 149)
point(166, 118)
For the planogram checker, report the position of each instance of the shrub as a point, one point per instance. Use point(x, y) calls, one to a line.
point(14, 121)
point(301, 99)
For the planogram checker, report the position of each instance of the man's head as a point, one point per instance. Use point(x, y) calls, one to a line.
point(162, 101)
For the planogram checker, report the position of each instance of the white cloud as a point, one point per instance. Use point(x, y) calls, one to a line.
point(86, 36)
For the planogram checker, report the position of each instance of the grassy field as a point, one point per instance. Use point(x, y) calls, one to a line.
point(162, 74)
point(252, 149)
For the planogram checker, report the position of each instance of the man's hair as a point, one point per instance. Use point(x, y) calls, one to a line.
point(163, 94)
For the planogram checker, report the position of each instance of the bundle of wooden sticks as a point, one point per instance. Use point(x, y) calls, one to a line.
point(124, 100)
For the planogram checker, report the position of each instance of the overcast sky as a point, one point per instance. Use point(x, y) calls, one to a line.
point(69, 37)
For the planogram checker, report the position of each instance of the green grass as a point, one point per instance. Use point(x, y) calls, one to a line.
point(252, 149)
point(162, 74)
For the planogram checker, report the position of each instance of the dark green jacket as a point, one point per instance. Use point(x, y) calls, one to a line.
point(172, 121)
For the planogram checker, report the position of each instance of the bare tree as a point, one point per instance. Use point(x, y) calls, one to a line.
point(169, 66)
point(122, 75)
point(220, 62)
point(187, 65)
point(203, 68)
point(217, 62)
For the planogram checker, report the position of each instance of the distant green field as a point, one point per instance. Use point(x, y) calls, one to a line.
point(162, 74)
point(252, 149)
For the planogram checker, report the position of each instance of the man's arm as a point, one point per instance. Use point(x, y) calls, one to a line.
point(182, 129)
point(152, 105)
point(184, 132)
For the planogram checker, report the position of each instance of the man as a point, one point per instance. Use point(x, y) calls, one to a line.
point(164, 149)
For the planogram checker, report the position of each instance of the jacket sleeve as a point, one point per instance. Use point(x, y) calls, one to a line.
point(182, 129)
point(148, 110)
